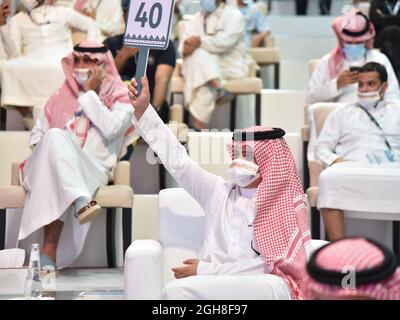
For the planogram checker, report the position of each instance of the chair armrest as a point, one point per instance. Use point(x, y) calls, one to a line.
point(177, 84)
point(143, 270)
point(305, 133)
point(12, 197)
point(180, 130)
point(15, 174)
point(315, 167)
point(312, 196)
point(176, 113)
point(264, 56)
point(122, 173)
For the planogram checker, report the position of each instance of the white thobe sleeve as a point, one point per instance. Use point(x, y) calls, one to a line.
point(111, 123)
point(321, 88)
point(226, 39)
point(110, 17)
point(7, 42)
point(79, 21)
point(329, 138)
point(40, 128)
point(16, 36)
point(199, 183)
point(245, 267)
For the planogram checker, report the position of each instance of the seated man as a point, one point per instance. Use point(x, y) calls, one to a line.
point(42, 37)
point(256, 224)
point(360, 143)
point(257, 28)
point(108, 15)
point(78, 139)
point(336, 76)
point(213, 50)
point(160, 67)
point(353, 269)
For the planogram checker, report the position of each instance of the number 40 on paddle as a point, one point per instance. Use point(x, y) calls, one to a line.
point(148, 27)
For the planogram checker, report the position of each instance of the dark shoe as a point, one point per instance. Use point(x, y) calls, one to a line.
point(89, 212)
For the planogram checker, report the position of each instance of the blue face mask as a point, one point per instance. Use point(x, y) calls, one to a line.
point(354, 52)
point(208, 6)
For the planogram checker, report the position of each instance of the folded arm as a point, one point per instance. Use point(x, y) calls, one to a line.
point(112, 122)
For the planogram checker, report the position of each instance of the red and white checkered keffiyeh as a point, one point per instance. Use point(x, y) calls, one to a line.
point(280, 227)
point(357, 253)
point(63, 104)
point(354, 22)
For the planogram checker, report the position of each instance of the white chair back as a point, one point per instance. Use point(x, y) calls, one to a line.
point(14, 149)
point(12, 258)
point(181, 229)
point(176, 208)
point(283, 109)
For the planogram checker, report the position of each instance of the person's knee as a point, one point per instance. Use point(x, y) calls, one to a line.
point(326, 177)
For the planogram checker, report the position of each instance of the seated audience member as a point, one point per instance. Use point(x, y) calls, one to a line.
point(360, 145)
point(213, 49)
point(336, 76)
point(107, 13)
point(257, 28)
point(256, 224)
point(353, 269)
point(42, 36)
point(80, 135)
point(160, 67)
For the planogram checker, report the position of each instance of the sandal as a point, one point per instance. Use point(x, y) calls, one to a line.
point(89, 212)
point(47, 264)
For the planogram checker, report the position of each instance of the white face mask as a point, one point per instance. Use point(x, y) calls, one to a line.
point(30, 4)
point(81, 75)
point(243, 173)
point(369, 99)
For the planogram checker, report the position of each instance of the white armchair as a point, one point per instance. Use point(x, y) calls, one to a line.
point(148, 263)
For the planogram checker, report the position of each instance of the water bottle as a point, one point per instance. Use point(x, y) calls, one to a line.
point(33, 282)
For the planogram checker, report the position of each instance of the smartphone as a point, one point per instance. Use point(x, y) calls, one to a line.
point(353, 69)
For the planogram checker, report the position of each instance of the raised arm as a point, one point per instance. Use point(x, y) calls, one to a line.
point(77, 20)
point(195, 180)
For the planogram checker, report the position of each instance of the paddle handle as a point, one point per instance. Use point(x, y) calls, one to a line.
point(141, 67)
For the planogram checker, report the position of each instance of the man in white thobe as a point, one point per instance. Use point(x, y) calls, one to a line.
point(335, 78)
point(42, 37)
point(360, 145)
point(214, 50)
point(77, 141)
point(256, 226)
